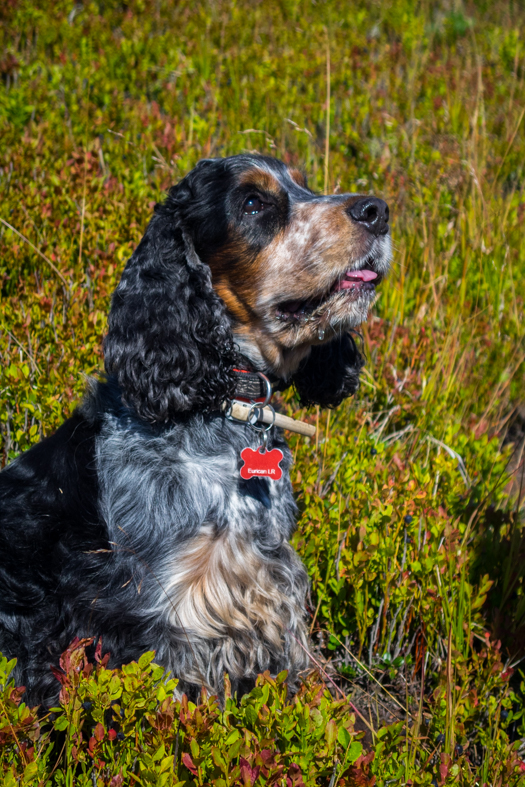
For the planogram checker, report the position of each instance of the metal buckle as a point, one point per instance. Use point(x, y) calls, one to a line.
point(253, 416)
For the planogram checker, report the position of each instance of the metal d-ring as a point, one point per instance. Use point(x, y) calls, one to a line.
point(263, 428)
point(269, 391)
point(264, 441)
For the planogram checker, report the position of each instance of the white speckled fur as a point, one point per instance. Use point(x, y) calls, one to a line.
point(207, 552)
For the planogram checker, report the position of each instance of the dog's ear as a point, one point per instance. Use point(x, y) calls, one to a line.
point(169, 343)
point(330, 373)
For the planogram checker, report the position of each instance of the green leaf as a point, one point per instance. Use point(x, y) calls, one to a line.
point(146, 659)
point(331, 733)
point(355, 751)
point(343, 736)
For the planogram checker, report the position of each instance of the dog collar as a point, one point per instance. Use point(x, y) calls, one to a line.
point(253, 387)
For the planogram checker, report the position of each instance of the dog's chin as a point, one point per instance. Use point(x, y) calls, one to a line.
point(280, 346)
point(342, 311)
point(341, 305)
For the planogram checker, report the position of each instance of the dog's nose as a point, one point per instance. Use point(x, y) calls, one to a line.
point(372, 212)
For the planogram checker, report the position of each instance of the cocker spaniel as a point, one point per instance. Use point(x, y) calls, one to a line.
point(132, 522)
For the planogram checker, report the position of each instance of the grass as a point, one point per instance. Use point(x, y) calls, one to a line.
point(412, 541)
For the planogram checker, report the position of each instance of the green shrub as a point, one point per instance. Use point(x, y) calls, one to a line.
point(124, 726)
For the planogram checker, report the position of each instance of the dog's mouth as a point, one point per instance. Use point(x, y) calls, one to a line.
point(352, 285)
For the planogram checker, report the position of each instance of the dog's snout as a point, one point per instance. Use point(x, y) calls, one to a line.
point(372, 212)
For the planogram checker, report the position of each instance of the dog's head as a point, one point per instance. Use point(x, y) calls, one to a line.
point(243, 258)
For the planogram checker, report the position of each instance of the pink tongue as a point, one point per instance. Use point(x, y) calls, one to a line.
point(363, 275)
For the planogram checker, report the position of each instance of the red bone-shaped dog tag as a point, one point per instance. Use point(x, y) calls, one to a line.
point(262, 465)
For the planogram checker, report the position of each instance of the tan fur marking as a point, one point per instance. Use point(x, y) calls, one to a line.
point(221, 588)
point(234, 303)
point(260, 179)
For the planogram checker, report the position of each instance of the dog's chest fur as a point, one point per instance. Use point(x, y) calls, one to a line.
point(207, 551)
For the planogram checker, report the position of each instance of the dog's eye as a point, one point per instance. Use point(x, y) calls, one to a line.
point(253, 205)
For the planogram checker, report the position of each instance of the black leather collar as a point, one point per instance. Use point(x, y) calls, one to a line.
point(250, 385)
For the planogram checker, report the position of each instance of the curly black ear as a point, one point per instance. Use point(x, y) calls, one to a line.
point(330, 373)
point(169, 343)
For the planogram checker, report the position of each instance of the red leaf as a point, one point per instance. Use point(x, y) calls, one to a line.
point(398, 462)
point(73, 658)
point(59, 674)
point(444, 767)
point(184, 713)
point(267, 757)
point(15, 695)
point(358, 772)
point(99, 732)
point(99, 658)
point(248, 774)
point(294, 777)
point(188, 762)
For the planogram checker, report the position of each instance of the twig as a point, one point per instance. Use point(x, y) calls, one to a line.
point(454, 454)
point(83, 211)
point(325, 487)
point(34, 364)
point(397, 435)
point(375, 629)
point(334, 772)
point(370, 675)
point(399, 640)
point(376, 434)
point(13, 733)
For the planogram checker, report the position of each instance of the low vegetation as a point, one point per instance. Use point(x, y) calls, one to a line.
point(410, 495)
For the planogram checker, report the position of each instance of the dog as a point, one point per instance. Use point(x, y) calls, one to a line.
point(132, 524)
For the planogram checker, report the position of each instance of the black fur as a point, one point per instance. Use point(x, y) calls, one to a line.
point(330, 374)
point(49, 524)
point(169, 343)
